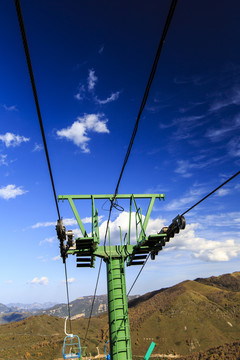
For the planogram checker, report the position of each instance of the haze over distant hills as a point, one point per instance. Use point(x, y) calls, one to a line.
point(31, 307)
point(79, 308)
point(18, 311)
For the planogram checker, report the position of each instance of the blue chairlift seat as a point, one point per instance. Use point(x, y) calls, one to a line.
point(107, 356)
point(71, 347)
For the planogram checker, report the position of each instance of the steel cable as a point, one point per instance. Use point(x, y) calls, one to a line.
point(34, 89)
point(66, 280)
point(143, 103)
point(212, 192)
point(94, 297)
point(138, 274)
point(204, 198)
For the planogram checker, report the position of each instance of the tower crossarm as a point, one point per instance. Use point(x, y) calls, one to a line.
point(87, 246)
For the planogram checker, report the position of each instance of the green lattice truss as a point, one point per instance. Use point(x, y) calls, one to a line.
point(87, 247)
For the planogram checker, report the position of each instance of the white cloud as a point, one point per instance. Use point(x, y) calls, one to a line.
point(92, 79)
point(191, 106)
point(88, 220)
point(222, 192)
point(69, 221)
point(187, 240)
point(66, 222)
point(71, 280)
point(56, 258)
point(218, 134)
point(100, 51)
point(44, 224)
point(38, 147)
point(3, 160)
point(154, 226)
point(10, 108)
point(42, 258)
point(77, 132)
point(188, 198)
point(184, 166)
point(77, 233)
point(113, 97)
point(81, 93)
point(234, 147)
point(11, 139)
point(226, 99)
point(187, 125)
point(203, 249)
point(8, 282)
point(11, 191)
point(227, 220)
point(39, 281)
point(48, 240)
point(195, 80)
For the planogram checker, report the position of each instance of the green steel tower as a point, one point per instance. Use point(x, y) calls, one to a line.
point(87, 247)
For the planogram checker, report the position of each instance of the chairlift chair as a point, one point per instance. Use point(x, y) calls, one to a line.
point(107, 356)
point(71, 346)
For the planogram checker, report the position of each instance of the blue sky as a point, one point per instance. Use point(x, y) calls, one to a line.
point(91, 62)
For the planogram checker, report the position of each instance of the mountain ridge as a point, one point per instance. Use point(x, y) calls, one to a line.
point(186, 319)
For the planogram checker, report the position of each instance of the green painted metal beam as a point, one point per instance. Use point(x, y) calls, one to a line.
point(104, 196)
point(77, 217)
point(147, 217)
point(114, 251)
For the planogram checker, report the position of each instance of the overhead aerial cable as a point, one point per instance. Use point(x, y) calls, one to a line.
point(212, 192)
point(93, 301)
point(34, 89)
point(143, 103)
point(138, 274)
point(180, 220)
point(146, 93)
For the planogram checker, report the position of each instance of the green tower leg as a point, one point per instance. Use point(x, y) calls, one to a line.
point(119, 330)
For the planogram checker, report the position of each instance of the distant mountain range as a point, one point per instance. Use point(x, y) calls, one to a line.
point(31, 307)
point(18, 311)
point(80, 307)
point(194, 319)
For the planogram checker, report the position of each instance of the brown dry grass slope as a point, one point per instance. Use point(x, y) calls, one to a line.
point(187, 318)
